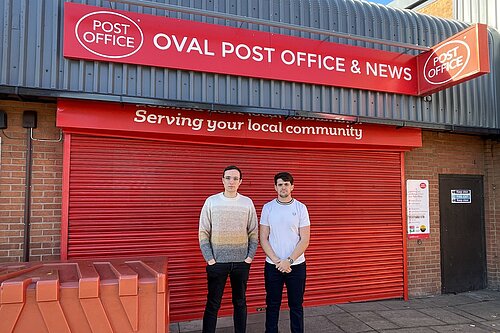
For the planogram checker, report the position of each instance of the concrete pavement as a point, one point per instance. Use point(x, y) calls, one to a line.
point(470, 312)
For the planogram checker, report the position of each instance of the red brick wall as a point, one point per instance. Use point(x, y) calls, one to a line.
point(444, 153)
point(46, 184)
point(492, 188)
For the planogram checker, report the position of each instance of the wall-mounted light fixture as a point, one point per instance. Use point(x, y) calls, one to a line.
point(29, 119)
point(3, 120)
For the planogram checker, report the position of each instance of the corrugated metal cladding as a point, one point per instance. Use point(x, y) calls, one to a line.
point(483, 11)
point(31, 56)
point(143, 197)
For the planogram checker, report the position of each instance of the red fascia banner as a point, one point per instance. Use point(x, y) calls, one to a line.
point(95, 33)
point(166, 123)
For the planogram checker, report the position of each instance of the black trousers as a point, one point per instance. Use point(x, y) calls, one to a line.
point(295, 282)
point(217, 274)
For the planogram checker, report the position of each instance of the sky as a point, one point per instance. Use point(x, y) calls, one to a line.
point(383, 2)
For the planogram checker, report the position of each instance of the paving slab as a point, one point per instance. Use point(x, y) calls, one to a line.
point(446, 316)
point(257, 318)
point(174, 328)
point(319, 324)
point(409, 318)
point(402, 304)
point(447, 300)
point(465, 328)
point(366, 306)
point(485, 310)
point(465, 314)
point(493, 325)
point(322, 310)
point(410, 330)
point(349, 323)
point(251, 328)
point(374, 320)
point(192, 326)
point(482, 295)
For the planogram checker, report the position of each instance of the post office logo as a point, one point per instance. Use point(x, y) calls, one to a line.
point(109, 35)
point(446, 62)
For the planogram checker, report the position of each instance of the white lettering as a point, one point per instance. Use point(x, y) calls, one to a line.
point(207, 51)
point(107, 39)
point(211, 125)
point(152, 118)
point(287, 54)
point(408, 75)
point(388, 71)
point(116, 28)
point(348, 131)
point(227, 48)
point(142, 116)
point(166, 44)
point(245, 52)
point(446, 66)
point(312, 60)
point(194, 45)
point(179, 46)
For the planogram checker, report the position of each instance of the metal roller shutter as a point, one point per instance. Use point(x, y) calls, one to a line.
point(131, 197)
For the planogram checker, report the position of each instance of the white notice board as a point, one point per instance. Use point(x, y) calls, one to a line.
point(417, 207)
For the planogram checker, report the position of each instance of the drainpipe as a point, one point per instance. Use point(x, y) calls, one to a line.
point(29, 122)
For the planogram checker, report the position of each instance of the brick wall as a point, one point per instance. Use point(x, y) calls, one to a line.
point(46, 184)
point(444, 153)
point(492, 187)
point(441, 8)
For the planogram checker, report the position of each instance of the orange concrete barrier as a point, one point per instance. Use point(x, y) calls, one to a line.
point(95, 296)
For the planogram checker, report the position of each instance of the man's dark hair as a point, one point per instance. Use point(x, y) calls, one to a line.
point(284, 176)
point(232, 167)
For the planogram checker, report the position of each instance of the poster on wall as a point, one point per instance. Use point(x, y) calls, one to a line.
point(417, 206)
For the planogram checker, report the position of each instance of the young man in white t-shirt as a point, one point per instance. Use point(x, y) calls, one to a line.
point(284, 237)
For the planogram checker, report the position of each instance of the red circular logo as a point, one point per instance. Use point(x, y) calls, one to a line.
point(109, 35)
point(446, 62)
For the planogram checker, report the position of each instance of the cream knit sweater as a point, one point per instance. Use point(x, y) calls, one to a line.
point(228, 229)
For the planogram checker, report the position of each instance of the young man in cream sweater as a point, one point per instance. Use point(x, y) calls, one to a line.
point(228, 235)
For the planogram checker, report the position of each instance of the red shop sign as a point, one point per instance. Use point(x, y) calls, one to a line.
point(96, 33)
point(166, 123)
point(460, 58)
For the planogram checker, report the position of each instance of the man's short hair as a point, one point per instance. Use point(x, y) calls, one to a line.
point(232, 167)
point(284, 176)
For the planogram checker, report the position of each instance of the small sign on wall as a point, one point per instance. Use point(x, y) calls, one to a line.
point(461, 196)
point(417, 206)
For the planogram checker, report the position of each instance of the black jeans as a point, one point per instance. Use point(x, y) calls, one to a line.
point(295, 282)
point(217, 274)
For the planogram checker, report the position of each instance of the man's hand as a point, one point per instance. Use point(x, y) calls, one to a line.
point(211, 262)
point(248, 260)
point(284, 266)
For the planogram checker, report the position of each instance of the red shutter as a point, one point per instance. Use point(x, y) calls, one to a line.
point(130, 197)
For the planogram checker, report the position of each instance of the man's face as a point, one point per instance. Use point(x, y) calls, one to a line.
point(231, 181)
point(284, 189)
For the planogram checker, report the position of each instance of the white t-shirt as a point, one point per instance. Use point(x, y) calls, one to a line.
point(284, 221)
